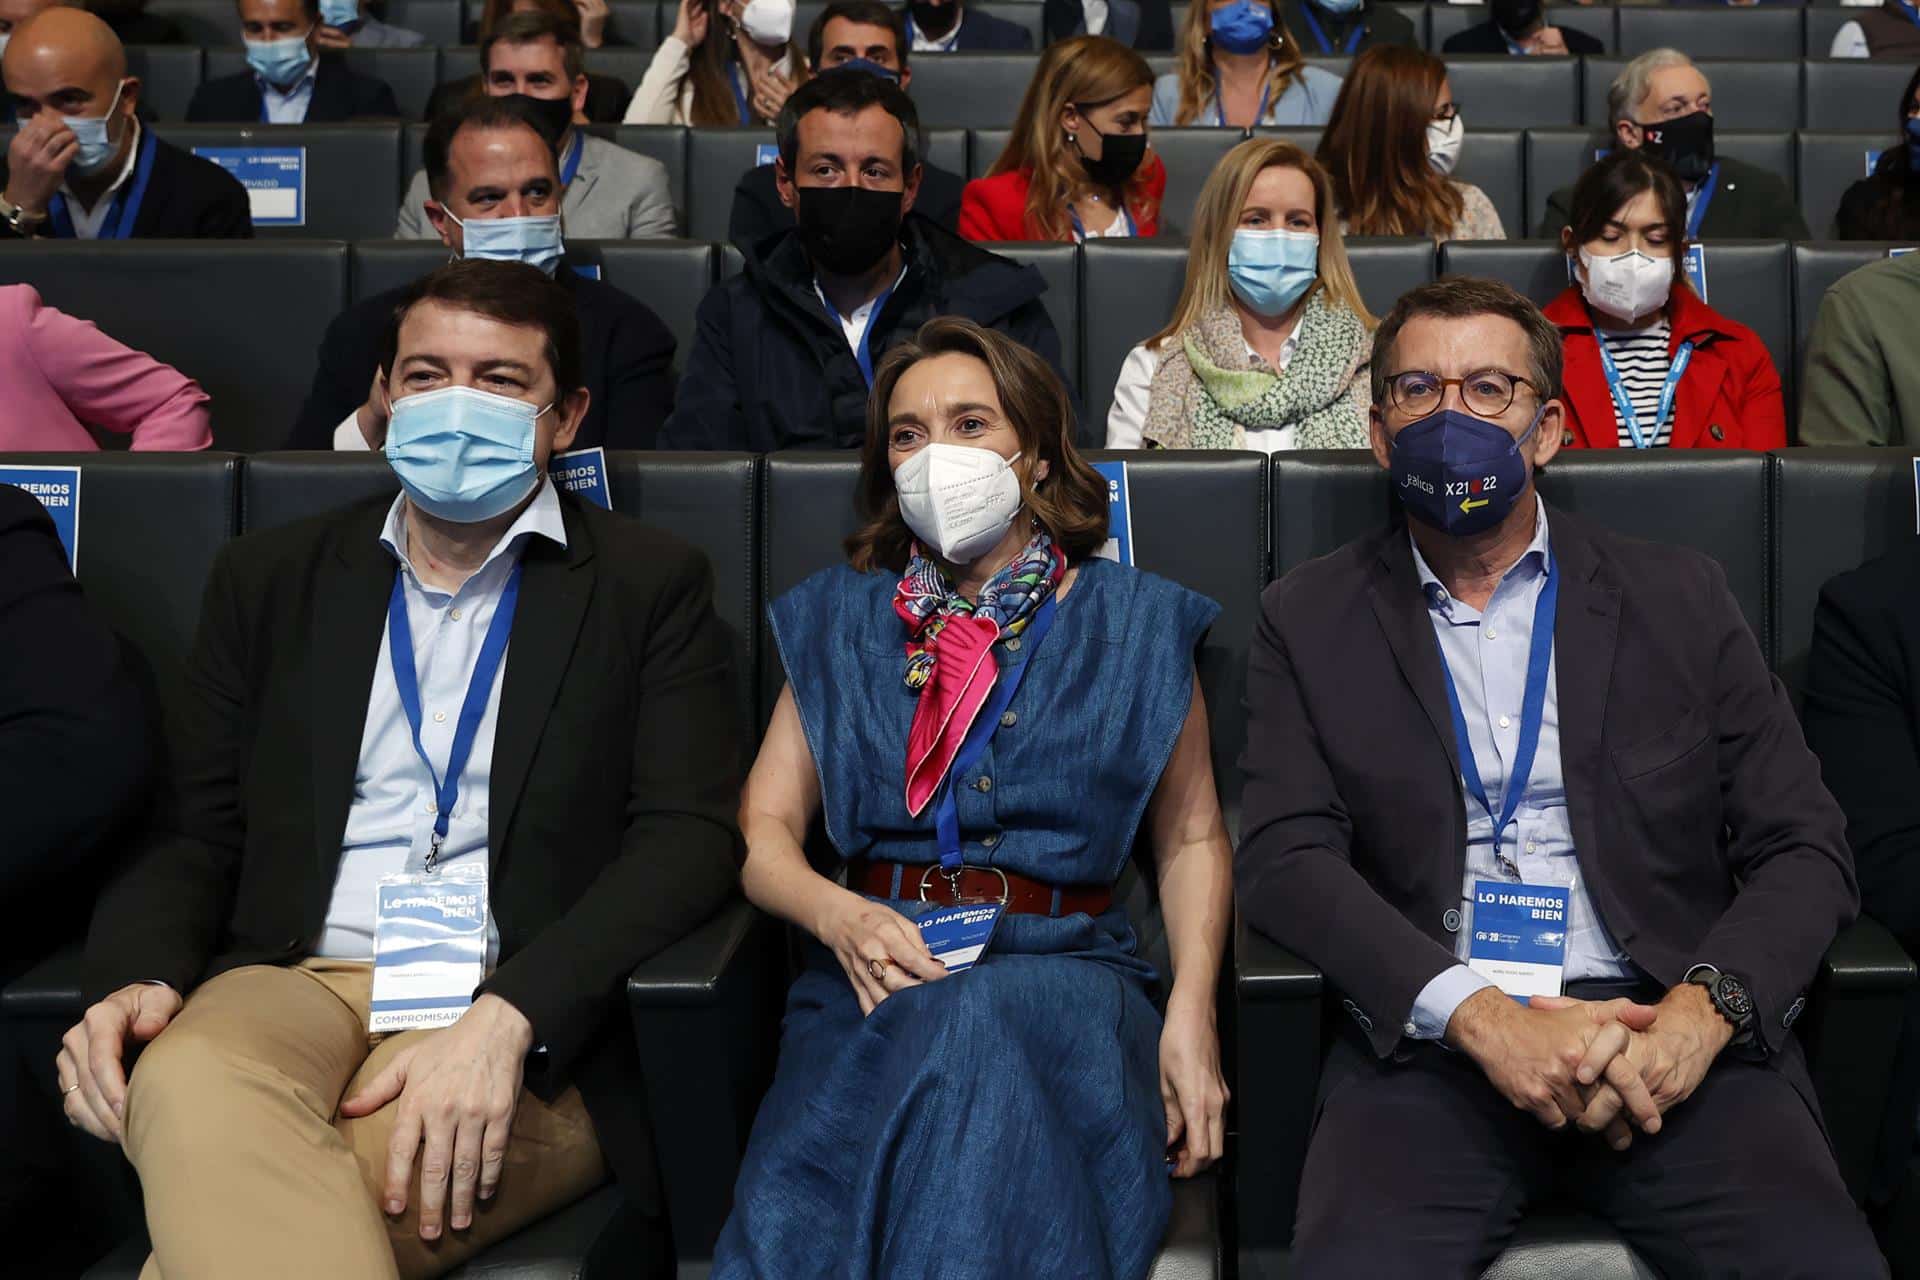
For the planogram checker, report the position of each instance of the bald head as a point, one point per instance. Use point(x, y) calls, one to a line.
point(68, 62)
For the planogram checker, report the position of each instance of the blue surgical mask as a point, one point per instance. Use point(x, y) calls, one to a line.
point(1241, 27)
point(281, 62)
point(463, 454)
point(535, 241)
point(1341, 7)
point(1270, 270)
point(96, 145)
point(1459, 473)
point(339, 13)
point(869, 66)
point(1913, 142)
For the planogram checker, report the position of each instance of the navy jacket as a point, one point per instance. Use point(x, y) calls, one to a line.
point(984, 33)
point(339, 94)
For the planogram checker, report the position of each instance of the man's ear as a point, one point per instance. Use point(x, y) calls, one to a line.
point(906, 77)
point(1377, 438)
point(580, 99)
point(1628, 133)
point(783, 181)
point(912, 190)
point(573, 412)
point(443, 225)
point(1549, 433)
point(130, 96)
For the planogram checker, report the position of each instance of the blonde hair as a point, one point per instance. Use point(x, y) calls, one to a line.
point(1086, 71)
point(1217, 215)
point(1194, 61)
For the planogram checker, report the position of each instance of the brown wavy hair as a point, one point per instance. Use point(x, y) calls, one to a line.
point(1071, 504)
point(1194, 61)
point(1375, 147)
point(1086, 71)
point(713, 101)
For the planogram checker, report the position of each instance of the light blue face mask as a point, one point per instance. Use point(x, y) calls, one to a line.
point(1269, 270)
point(463, 454)
point(96, 146)
point(535, 241)
point(281, 62)
point(338, 13)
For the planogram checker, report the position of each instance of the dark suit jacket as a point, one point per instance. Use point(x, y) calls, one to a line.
point(1704, 832)
point(1378, 26)
point(613, 784)
point(339, 94)
point(607, 97)
point(187, 199)
point(1485, 37)
point(1748, 204)
point(626, 359)
point(758, 214)
point(1144, 25)
point(984, 33)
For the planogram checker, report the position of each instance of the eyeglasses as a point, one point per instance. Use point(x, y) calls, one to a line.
point(1447, 112)
point(1486, 392)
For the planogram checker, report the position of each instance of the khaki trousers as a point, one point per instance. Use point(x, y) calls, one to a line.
point(247, 1170)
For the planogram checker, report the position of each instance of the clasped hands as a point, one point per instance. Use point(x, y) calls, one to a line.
point(1608, 1067)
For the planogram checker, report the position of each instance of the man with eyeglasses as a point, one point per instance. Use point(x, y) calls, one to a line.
point(1527, 794)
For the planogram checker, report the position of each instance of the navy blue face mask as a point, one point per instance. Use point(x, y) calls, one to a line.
point(869, 66)
point(1458, 473)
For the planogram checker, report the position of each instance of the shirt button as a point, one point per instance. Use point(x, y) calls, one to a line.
point(432, 807)
point(1411, 1028)
point(983, 785)
point(1530, 846)
point(1013, 645)
point(455, 615)
point(1505, 723)
point(1492, 634)
point(439, 717)
point(1008, 720)
point(990, 841)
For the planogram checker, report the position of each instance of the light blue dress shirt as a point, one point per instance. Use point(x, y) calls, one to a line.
point(1307, 103)
point(1487, 654)
point(291, 106)
point(390, 825)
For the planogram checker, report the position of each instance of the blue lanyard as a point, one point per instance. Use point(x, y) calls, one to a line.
point(946, 810)
point(1625, 406)
point(1220, 107)
point(863, 353)
point(1701, 200)
point(572, 166)
point(740, 95)
point(1912, 11)
point(125, 210)
point(1532, 711)
point(939, 46)
point(479, 689)
point(1326, 45)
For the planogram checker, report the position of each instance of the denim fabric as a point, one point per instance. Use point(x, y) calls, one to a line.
point(1004, 1121)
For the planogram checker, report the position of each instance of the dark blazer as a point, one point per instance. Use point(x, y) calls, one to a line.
point(339, 93)
point(1138, 24)
point(1673, 734)
point(607, 97)
point(187, 199)
point(984, 33)
point(1378, 25)
point(626, 359)
point(614, 780)
point(1486, 37)
point(1749, 204)
point(758, 214)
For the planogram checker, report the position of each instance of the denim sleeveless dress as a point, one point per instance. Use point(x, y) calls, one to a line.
point(1005, 1121)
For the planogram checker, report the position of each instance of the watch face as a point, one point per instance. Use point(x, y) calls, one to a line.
point(1733, 996)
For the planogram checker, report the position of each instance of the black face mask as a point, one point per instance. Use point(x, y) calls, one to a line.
point(847, 229)
point(1685, 142)
point(554, 114)
point(934, 19)
point(1120, 156)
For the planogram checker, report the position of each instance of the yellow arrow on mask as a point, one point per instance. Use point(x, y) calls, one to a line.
point(1468, 504)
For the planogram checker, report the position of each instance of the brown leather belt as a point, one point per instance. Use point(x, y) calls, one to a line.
point(926, 882)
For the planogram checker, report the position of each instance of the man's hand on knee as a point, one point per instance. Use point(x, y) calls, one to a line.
point(458, 1089)
point(92, 1061)
point(1535, 1055)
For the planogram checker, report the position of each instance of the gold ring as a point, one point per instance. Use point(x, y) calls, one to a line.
point(72, 1088)
point(878, 968)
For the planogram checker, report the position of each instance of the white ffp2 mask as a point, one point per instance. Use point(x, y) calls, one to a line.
point(958, 499)
point(1444, 138)
point(768, 22)
point(1628, 285)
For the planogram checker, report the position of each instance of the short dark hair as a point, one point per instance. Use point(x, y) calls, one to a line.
point(1615, 179)
point(849, 93)
point(1457, 297)
point(477, 112)
point(509, 292)
point(531, 27)
point(868, 13)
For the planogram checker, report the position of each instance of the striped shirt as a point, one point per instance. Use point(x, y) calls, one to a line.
point(1642, 359)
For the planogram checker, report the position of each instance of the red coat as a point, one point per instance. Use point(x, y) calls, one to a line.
point(1729, 397)
point(996, 208)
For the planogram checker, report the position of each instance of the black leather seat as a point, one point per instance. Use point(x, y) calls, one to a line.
point(1823, 23)
point(1846, 93)
point(1131, 287)
point(1451, 19)
point(1387, 266)
point(1829, 162)
point(971, 90)
point(716, 158)
point(1772, 32)
point(1498, 91)
point(437, 20)
point(168, 74)
point(1817, 267)
point(183, 302)
point(1189, 155)
point(410, 73)
point(1059, 265)
point(210, 24)
point(352, 172)
point(1756, 91)
point(666, 143)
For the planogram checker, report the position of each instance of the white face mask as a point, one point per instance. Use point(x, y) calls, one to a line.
point(768, 22)
point(1629, 285)
point(958, 499)
point(1443, 143)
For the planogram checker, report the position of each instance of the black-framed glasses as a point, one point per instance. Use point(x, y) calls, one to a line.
point(1486, 392)
point(1447, 112)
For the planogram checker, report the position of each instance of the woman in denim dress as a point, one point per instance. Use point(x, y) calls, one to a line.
point(1020, 1117)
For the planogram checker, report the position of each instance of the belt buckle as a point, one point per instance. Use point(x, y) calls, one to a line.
point(953, 884)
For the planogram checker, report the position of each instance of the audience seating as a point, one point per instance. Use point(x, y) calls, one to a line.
point(1447, 20)
point(1555, 157)
point(1765, 32)
point(1495, 160)
point(1829, 163)
point(169, 73)
point(1757, 92)
point(437, 20)
point(632, 21)
point(971, 90)
point(1855, 93)
point(1817, 267)
point(211, 24)
point(1498, 91)
point(410, 73)
point(1387, 266)
point(352, 172)
point(1823, 23)
point(665, 143)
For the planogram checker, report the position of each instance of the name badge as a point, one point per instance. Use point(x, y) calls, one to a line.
point(275, 179)
point(1520, 937)
point(1119, 544)
point(765, 153)
point(429, 948)
point(958, 936)
point(58, 489)
point(583, 472)
point(1694, 266)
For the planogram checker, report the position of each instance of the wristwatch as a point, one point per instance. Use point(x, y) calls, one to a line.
point(18, 220)
point(1730, 997)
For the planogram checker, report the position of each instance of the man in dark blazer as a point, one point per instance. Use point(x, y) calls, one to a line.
point(118, 182)
point(948, 26)
point(313, 88)
point(1413, 759)
point(1345, 29)
point(1520, 28)
point(490, 160)
point(1146, 25)
point(480, 691)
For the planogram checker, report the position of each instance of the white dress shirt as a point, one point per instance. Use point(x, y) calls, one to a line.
point(289, 106)
point(1127, 419)
point(87, 222)
point(854, 323)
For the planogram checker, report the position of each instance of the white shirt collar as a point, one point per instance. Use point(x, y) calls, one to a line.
point(542, 518)
point(854, 325)
point(1537, 554)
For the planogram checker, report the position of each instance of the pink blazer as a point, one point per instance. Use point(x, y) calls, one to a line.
point(58, 373)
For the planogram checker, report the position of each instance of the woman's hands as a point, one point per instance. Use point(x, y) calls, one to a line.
point(881, 950)
point(690, 23)
point(1191, 1085)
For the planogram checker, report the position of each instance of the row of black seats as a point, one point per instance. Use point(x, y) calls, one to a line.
point(706, 1012)
point(1103, 298)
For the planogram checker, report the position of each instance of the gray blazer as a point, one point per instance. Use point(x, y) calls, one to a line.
point(617, 195)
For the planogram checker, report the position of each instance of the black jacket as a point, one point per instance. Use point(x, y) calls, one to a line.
point(1885, 206)
point(770, 369)
point(187, 199)
point(339, 93)
point(613, 780)
point(984, 33)
point(626, 359)
point(1749, 203)
point(607, 97)
point(758, 215)
point(1377, 24)
point(1149, 25)
point(1486, 37)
